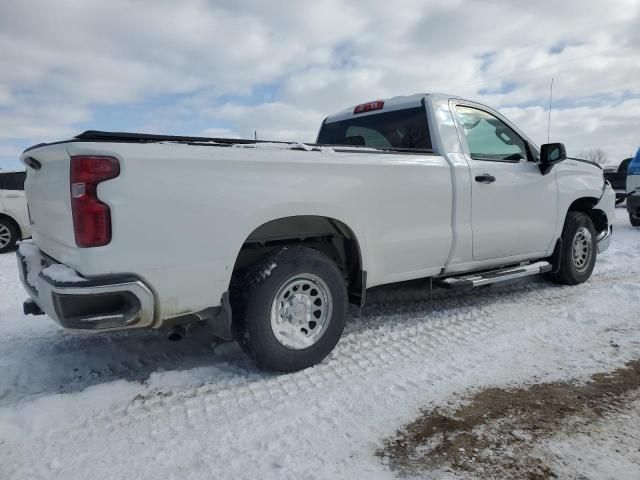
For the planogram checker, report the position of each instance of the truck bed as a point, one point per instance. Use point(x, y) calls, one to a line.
point(181, 210)
point(133, 137)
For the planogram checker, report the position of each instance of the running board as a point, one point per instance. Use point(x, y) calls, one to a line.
point(494, 276)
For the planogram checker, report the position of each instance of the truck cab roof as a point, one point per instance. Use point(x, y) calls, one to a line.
point(444, 140)
point(390, 104)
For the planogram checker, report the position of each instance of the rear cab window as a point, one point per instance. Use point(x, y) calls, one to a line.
point(395, 130)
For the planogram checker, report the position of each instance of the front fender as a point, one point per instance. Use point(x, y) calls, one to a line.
point(582, 183)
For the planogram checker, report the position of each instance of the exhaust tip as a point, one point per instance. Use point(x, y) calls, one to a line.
point(29, 307)
point(176, 334)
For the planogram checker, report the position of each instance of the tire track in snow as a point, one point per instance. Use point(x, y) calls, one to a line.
point(399, 350)
point(83, 361)
point(429, 332)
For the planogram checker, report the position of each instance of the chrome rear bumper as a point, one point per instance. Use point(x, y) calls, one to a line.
point(114, 302)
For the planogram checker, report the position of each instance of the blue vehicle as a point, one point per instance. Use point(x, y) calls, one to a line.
point(633, 190)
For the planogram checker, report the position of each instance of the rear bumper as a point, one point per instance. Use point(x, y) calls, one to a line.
point(114, 302)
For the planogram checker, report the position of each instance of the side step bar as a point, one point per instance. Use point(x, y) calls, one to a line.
point(494, 276)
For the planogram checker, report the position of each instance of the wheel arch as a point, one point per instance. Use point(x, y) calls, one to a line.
point(4, 216)
point(588, 205)
point(328, 235)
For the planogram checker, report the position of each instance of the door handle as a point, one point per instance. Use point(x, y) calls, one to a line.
point(12, 195)
point(485, 178)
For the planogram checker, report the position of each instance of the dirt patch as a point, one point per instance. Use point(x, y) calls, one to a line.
point(492, 434)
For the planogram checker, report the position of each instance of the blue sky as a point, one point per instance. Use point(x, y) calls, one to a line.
point(223, 68)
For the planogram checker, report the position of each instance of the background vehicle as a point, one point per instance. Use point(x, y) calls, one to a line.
point(633, 190)
point(14, 218)
point(617, 177)
point(285, 235)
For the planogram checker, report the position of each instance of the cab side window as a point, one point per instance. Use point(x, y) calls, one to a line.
point(489, 138)
point(12, 181)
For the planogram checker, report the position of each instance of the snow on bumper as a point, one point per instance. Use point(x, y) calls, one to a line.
point(115, 302)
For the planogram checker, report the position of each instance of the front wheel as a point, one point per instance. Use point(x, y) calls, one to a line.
point(8, 235)
point(635, 220)
point(579, 250)
point(291, 309)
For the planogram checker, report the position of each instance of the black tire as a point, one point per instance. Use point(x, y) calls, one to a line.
point(253, 301)
point(635, 221)
point(9, 232)
point(571, 271)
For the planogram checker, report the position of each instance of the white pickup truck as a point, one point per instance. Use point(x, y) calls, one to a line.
point(267, 243)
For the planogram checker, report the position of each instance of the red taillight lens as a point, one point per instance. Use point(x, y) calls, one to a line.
point(369, 107)
point(91, 217)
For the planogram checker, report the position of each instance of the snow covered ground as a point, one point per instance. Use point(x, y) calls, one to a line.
point(136, 406)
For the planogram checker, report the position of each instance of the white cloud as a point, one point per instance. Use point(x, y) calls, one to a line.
point(46, 122)
point(273, 121)
point(62, 60)
point(612, 128)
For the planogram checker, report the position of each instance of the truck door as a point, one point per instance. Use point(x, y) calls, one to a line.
point(514, 206)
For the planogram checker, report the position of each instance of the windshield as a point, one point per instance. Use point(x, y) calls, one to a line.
point(405, 128)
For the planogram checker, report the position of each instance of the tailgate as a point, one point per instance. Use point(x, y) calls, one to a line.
point(48, 196)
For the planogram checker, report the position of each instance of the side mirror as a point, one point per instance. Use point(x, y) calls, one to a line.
point(550, 154)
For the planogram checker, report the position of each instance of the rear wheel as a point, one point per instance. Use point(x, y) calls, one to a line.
point(579, 250)
point(8, 235)
point(291, 309)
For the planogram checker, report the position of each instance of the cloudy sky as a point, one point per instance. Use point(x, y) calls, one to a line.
point(229, 67)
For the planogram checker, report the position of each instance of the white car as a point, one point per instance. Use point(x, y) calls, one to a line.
point(267, 243)
point(14, 218)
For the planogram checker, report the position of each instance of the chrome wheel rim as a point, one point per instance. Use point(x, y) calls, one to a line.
point(5, 236)
point(301, 311)
point(582, 248)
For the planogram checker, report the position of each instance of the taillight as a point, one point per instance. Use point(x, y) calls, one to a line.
point(91, 217)
point(369, 107)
